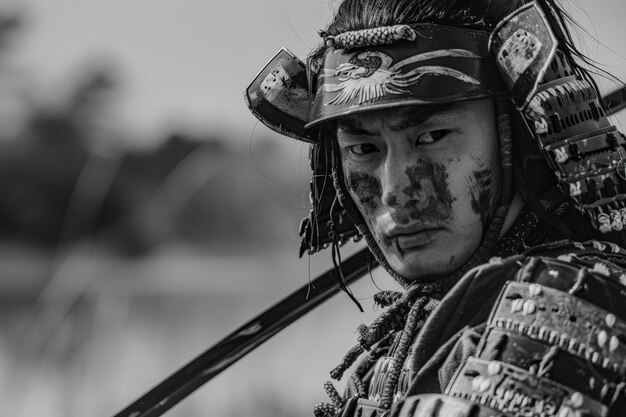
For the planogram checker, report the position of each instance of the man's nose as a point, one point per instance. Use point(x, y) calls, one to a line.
point(394, 179)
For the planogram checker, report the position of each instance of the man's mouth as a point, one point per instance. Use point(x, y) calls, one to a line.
point(407, 241)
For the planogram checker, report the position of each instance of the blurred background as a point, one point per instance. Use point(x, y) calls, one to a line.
point(144, 213)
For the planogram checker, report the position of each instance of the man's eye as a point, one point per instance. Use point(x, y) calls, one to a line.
point(362, 149)
point(432, 136)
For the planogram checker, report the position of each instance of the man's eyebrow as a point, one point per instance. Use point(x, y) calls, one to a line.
point(417, 116)
point(413, 116)
point(352, 126)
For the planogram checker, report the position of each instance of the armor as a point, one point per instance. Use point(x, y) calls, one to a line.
point(534, 324)
point(551, 344)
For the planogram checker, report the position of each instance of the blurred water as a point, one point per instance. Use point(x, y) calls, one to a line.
point(111, 328)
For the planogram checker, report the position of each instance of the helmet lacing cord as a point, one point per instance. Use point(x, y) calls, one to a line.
point(336, 257)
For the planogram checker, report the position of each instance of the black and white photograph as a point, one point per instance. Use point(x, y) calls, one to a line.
point(337, 208)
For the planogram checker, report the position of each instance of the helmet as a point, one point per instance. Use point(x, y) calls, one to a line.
point(525, 61)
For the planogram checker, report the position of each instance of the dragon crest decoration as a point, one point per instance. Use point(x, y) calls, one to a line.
point(370, 75)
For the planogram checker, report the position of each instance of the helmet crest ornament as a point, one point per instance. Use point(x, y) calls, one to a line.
point(370, 75)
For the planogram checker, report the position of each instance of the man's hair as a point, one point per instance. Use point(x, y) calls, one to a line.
point(531, 173)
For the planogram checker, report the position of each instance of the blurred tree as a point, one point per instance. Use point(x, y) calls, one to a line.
point(9, 25)
point(59, 186)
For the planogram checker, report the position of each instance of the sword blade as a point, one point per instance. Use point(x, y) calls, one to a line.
point(245, 339)
point(615, 101)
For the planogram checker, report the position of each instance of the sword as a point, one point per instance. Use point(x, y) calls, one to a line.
point(615, 101)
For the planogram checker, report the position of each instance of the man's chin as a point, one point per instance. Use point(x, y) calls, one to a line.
point(425, 265)
point(424, 274)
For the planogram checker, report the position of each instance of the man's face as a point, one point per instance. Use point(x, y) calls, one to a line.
point(425, 181)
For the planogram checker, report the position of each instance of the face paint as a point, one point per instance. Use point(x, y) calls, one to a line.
point(481, 193)
point(428, 191)
point(393, 201)
point(425, 204)
point(366, 188)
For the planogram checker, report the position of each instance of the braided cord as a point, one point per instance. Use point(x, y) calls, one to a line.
point(324, 410)
point(381, 331)
point(358, 384)
point(381, 349)
point(392, 319)
point(370, 37)
point(389, 321)
point(333, 394)
point(347, 362)
point(387, 297)
point(420, 310)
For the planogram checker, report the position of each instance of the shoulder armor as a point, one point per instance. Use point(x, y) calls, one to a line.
point(554, 345)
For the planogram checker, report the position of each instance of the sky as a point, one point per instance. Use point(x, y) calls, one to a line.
point(185, 63)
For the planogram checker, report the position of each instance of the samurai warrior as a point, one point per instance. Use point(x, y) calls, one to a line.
point(466, 142)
